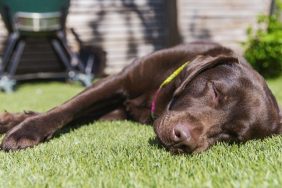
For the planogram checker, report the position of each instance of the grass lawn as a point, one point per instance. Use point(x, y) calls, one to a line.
point(121, 154)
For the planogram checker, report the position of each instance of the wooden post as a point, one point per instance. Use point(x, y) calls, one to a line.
point(173, 36)
point(272, 7)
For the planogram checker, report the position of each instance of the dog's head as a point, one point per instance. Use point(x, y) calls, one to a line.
point(217, 99)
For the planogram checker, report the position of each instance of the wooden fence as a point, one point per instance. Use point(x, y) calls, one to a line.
point(127, 29)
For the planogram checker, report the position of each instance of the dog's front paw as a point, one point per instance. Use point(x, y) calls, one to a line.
point(26, 134)
point(7, 121)
point(10, 120)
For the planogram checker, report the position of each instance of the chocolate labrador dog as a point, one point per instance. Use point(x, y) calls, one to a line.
point(195, 95)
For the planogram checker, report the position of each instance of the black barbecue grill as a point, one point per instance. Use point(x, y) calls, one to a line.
point(31, 23)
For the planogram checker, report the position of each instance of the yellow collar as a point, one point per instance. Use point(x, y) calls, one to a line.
point(171, 77)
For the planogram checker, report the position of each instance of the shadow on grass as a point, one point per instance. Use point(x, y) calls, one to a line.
point(155, 142)
point(71, 127)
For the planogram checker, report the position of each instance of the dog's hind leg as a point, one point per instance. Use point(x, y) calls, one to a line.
point(117, 114)
point(10, 120)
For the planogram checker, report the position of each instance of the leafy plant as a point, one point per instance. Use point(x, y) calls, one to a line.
point(264, 45)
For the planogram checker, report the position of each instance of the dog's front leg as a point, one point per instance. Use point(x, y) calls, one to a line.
point(36, 129)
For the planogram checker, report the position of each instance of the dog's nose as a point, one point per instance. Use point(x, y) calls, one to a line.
point(180, 133)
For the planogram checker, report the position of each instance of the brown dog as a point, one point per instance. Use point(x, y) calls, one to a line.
point(216, 97)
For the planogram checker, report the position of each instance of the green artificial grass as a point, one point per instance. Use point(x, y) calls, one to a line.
point(124, 154)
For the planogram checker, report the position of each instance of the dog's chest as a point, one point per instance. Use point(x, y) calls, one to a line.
point(139, 108)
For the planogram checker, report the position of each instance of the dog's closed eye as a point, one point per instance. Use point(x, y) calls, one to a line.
point(171, 103)
point(214, 93)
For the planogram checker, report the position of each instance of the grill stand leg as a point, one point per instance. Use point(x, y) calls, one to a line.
point(11, 44)
point(16, 58)
point(71, 61)
point(15, 48)
point(7, 83)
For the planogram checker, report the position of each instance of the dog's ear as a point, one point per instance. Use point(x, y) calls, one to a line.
point(200, 64)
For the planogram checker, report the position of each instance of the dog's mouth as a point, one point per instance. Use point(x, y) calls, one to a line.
point(178, 148)
point(182, 148)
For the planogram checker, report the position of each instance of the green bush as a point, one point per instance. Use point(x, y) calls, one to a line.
point(263, 48)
